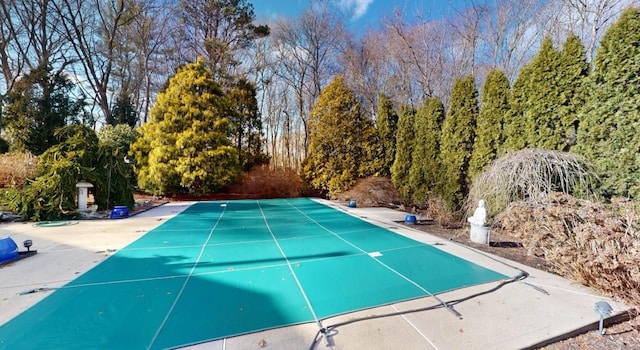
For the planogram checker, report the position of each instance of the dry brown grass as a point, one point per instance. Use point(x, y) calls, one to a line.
point(592, 243)
point(437, 210)
point(16, 168)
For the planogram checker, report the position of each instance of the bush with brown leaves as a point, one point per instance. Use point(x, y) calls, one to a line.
point(372, 191)
point(265, 182)
point(592, 243)
point(16, 168)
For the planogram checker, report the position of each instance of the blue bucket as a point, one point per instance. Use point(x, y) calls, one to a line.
point(352, 204)
point(8, 250)
point(410, 219)
point(120, 212)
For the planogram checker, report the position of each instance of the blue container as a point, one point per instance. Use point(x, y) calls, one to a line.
point(410, 219)
point(8, 250)
point(352, 204)
point(120, 212)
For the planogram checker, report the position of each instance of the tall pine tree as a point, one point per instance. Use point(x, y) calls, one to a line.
point(38, 105)
point(404, 149)
point(123, 112)
point(424, 169)
point(489, 134)
point(458, 133)
point(246, 124)
point(608, 134)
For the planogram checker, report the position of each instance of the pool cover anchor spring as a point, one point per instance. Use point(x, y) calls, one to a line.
point(452, 310)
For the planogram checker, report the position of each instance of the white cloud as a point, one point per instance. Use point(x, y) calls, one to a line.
point(358, 7)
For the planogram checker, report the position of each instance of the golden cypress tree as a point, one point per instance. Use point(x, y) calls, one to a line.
point(185, 147)
point(339, 140)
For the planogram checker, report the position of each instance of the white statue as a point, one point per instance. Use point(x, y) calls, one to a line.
point(479, 215)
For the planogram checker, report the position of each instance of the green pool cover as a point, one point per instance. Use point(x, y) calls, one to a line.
point(221, 269)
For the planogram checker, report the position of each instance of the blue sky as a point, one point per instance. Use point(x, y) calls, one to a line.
point(366, 12)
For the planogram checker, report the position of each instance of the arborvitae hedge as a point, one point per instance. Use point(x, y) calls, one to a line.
point(573, 69)
point(543, 96)
point(610, 120)
point(515, 126)
point(386, 128)
point(423, 173)
point(458, 133)
point(489, 134)
point(404, 149)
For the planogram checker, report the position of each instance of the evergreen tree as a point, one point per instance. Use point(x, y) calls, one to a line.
point(404, 149)
point(423, 172)
point(386, 129)
point(573, 69)
point(115, 186)
point(515, 126)
point(123, 112)
point(543, 95)
point(51, 195)
point(220, 30)
point(246, 124)
point(458, 133)
point(39, 104)
point(339, 139)
point(489, 134)
point(545, 98)
point(4, 146)
point(608, 134)
point(185, 148)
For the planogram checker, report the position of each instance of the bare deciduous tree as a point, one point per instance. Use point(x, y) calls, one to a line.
point(217, 30)
point(29, 38)
point(95, 29)
point(510, 34)
point(588, 19)
point(465, 39)
point(151, 57)
point(307, 48)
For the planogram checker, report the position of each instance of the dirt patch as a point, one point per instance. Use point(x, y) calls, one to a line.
point(500, 244)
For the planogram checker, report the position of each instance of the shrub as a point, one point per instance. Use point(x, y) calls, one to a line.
point(16, 168)
point(51, 195)
point(373, 191)
point(595, 244)
point(530, 175)
point(264, 182)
